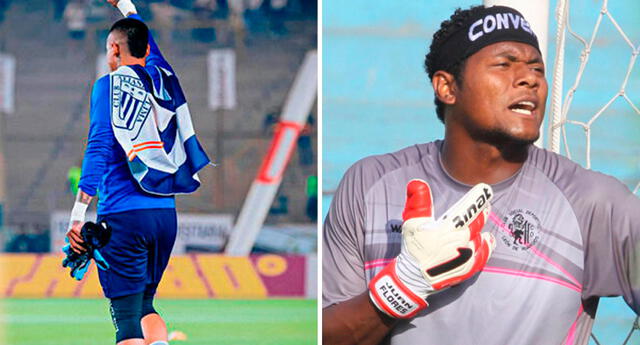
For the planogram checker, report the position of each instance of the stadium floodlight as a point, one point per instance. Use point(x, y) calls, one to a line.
point(263, 189)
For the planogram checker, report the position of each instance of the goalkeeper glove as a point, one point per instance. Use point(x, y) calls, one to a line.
point(95, 236)
point(434, 254)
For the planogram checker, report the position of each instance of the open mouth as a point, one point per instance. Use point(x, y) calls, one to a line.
point(523, 107)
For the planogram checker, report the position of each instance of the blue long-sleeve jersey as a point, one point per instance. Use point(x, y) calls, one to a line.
point(105, 168)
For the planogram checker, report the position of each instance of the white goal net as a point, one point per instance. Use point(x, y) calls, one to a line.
point(594, 102)
point(595, 99)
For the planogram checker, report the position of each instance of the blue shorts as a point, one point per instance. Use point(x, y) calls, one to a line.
point(139, 250)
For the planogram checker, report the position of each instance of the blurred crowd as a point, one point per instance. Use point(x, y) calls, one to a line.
point(252, 16)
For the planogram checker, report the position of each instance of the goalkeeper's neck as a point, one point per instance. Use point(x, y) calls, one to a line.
point(472, 161)
point(126, 59)
point(130, 61)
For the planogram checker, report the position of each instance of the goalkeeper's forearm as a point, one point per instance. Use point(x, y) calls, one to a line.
point(83, 197)
point(76, 220)
point(355, 321)
point(80, 207)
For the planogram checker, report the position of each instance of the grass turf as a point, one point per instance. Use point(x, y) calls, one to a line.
point(205, 322)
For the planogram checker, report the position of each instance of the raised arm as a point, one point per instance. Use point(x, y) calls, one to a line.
point(434, 255)
point(155, 58)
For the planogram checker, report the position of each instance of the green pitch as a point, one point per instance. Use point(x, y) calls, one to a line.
point(205, 322)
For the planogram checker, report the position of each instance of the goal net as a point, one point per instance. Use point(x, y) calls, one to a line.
point(594, 101)
point(595, 94)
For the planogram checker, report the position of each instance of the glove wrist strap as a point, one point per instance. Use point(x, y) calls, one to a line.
point(78, 212)
point(392, 296)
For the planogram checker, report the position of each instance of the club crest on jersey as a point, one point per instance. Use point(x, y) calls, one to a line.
point(472, 210)
point(524, 227)
point(130, 103)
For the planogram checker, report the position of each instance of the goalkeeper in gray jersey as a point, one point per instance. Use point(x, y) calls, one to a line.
point(480, 238)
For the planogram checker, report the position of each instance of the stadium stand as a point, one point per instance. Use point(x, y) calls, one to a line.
point(45, 136)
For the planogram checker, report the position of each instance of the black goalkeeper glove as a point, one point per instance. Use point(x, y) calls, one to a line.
point(95, 236)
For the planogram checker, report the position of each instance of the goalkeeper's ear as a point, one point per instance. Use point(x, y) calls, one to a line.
point(117, 51)
point(148, 51)
point(116, 48)
point(444, 86)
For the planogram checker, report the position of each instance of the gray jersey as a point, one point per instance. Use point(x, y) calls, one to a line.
point(565, 236)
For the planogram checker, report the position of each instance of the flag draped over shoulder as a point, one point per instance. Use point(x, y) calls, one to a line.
point(151, 121)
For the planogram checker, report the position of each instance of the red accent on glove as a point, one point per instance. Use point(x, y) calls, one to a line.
point(475, 228)
point(393, 296)
point(419, 202)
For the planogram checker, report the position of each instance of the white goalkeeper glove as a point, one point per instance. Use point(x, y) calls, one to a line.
point(434, 254)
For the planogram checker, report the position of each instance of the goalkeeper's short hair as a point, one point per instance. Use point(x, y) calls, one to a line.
point(447, 29)
point(136, 33)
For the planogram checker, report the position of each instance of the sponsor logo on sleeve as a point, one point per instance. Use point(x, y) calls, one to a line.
point(394, 226)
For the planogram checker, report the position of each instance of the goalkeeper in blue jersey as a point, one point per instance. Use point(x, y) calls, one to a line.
point(141, 151)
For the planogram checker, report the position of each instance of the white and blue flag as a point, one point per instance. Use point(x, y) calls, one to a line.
point(151, 121)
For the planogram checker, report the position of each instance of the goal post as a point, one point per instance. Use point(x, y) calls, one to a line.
point(298, 104)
